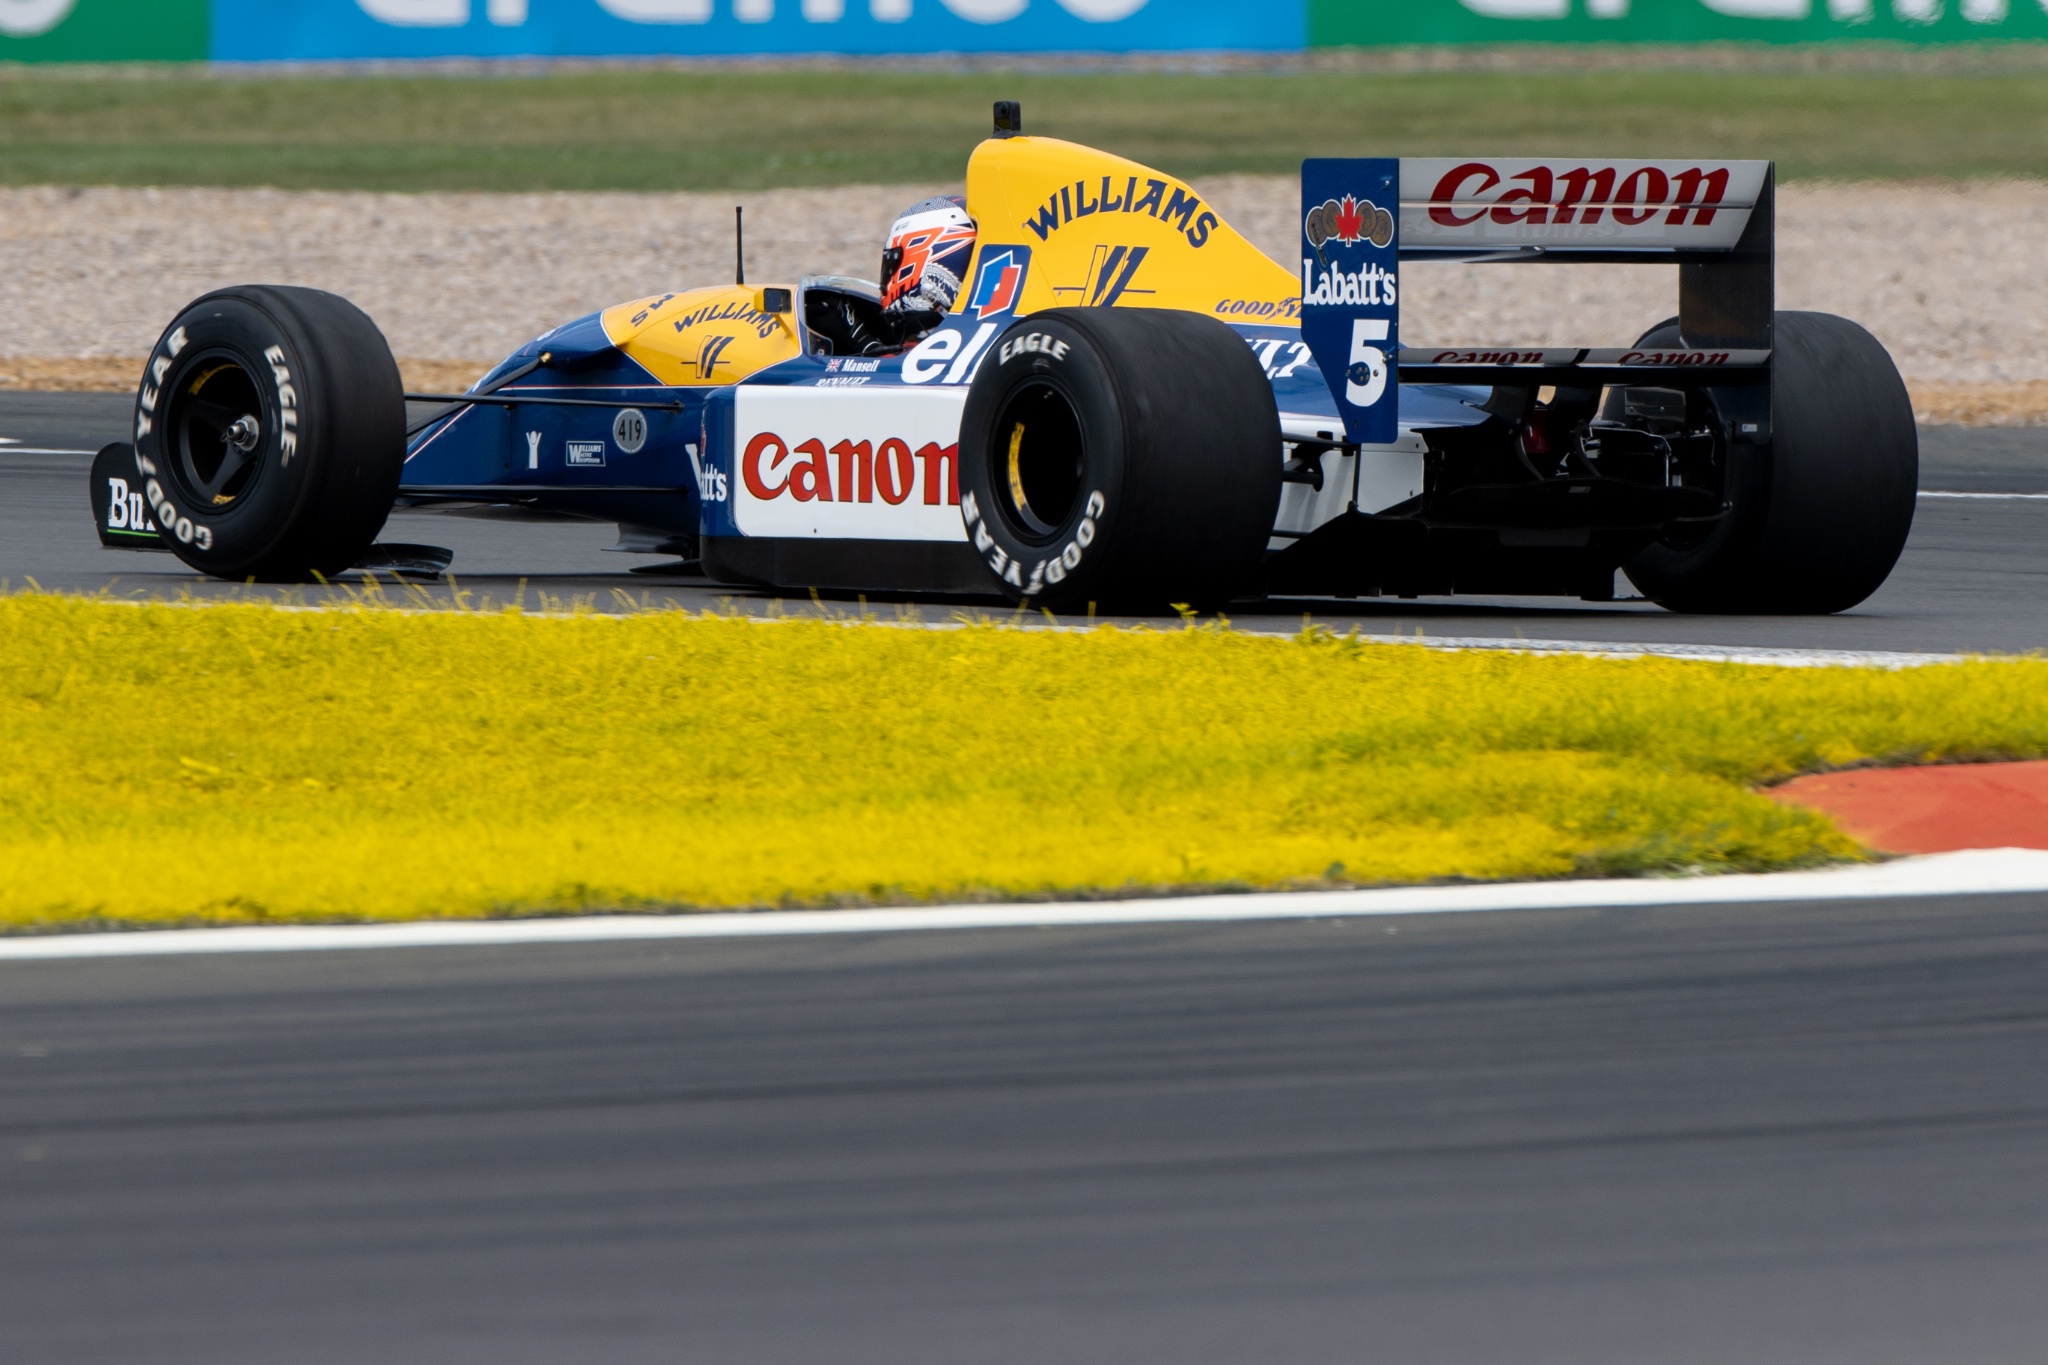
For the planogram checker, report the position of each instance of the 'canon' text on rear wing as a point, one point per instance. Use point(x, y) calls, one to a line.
point(1527, 207)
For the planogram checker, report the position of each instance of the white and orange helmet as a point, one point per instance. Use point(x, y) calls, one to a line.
point(929, 247)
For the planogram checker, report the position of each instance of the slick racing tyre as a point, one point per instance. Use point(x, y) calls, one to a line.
point(270, 434)
point(1817, 518)
point(1126, 457)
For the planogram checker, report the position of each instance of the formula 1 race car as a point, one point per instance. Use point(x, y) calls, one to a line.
point(1128, 403)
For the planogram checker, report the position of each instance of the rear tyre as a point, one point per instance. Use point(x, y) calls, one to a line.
point(270, 433)
point(1128, 457)
point(1818, 517)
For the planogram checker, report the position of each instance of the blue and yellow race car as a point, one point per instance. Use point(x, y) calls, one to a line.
point(1122, 402)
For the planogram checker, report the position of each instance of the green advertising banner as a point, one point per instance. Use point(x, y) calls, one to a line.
point(1362, 23)
point(181, 30)
point(104, 30)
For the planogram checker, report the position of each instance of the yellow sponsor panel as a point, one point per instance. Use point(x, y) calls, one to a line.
point(702, 336)
point(1106, 232)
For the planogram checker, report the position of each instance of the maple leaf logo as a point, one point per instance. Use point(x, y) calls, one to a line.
point(1350, 221)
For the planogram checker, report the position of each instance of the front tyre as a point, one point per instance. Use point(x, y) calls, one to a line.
point(270, 433)
point(1129, 457)
point(1817, 518)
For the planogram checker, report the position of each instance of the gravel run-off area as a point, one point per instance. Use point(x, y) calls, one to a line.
point(1950, 278)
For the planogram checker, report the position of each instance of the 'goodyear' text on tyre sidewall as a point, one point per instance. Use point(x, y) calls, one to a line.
point(1041, 464)
point(224, 348)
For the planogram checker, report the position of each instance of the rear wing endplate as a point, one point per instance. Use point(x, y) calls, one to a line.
point(1714, 219)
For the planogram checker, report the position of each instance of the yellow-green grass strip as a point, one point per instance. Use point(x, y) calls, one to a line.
point(242, 763)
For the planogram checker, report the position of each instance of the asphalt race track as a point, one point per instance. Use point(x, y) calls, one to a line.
point(1809, 1133)
point(1791, 1132)
point(1974, 576)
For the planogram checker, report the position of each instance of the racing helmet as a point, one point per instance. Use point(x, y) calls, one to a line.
point(928, 250)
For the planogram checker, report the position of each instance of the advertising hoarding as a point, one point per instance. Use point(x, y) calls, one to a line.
point(1356, 23)
point(317, 30)
point(103, 30)
point(263, 30)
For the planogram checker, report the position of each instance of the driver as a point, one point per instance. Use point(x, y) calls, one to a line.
point(929, 247)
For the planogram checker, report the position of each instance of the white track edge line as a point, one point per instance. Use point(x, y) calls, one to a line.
point(1764, 655)
point(1768, 655)
point(1994, 497)
point(1976, 872)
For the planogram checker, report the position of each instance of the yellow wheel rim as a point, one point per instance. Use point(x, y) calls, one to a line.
point(1017, 498)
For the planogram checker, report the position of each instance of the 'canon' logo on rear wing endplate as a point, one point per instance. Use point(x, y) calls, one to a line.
point(1478, 205)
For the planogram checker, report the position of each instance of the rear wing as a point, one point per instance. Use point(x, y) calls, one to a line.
point(1601, 210)
point(1714, 219)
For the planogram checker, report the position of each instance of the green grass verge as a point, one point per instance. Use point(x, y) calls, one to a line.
point(242, 763)
point(649, 128)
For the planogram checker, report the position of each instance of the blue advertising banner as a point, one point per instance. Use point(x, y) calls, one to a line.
point(313, 30)
point(1350, 286)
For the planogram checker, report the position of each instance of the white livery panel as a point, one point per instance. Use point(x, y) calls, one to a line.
point(848, 464)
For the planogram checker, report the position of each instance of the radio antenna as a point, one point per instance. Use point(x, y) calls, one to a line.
point(739, 245)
